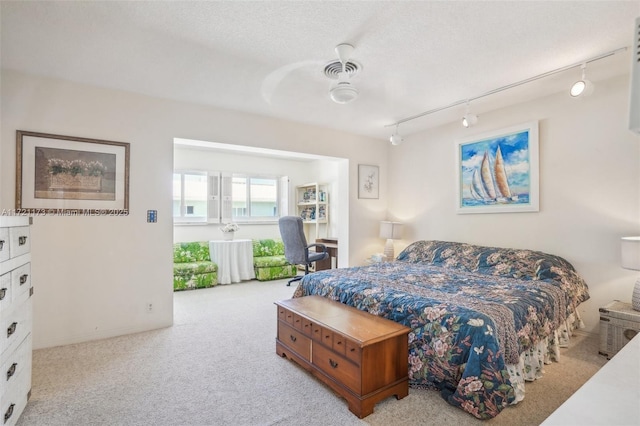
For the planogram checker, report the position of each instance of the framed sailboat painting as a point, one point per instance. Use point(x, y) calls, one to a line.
point(498, 171)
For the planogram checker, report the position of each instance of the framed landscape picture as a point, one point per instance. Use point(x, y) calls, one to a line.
point(497, 172)
point(64, 174)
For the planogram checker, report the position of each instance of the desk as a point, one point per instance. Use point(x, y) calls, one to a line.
point(234, 259)
point(332, 248)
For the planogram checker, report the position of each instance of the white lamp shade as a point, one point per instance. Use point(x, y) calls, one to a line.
point(631, 253)
point(390, 230)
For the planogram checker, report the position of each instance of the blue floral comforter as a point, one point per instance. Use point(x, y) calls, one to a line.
point(472, 310)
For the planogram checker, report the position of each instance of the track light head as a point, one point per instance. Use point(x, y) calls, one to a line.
point(396, 138)
point(469, 120)
point(582, 87)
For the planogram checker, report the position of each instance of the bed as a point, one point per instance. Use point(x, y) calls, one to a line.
point(484, 319)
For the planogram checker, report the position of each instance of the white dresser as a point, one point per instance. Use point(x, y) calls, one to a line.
point(15, 317)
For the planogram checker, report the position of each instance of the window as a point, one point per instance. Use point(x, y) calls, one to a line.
point(254, 198)
point(190, 196)
point(217, 197)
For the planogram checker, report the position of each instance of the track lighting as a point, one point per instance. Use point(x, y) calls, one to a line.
point(469, 119)
point(395, 138)
point(582, 87)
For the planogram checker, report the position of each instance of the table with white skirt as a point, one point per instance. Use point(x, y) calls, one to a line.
point(234, 259)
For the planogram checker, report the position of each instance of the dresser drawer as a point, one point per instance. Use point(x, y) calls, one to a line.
point(20, 281)
point(14, 399)
point(294, 340)
point(5, 292)
point(19, 241)
point(16, 367)
point(338, 367)
point(14, 327)
point(4, 244)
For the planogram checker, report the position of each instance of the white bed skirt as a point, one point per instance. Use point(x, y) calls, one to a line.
point(531, 364)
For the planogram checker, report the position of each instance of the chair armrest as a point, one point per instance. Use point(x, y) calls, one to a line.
point(322, 246)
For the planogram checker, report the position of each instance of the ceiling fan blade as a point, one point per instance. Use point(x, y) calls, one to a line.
point(273, 79)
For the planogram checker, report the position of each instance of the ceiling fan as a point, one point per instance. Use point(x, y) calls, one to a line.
point(342, 70)
point(343, 91)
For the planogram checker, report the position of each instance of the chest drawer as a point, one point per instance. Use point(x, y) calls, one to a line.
point(338, 367)
point(295, 340)
point(353, 351)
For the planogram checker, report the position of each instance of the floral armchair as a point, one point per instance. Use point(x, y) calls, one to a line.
point(269, 262)
point(192, 266)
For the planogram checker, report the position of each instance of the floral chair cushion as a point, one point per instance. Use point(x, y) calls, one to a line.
point(192, 266)
point(269, 262)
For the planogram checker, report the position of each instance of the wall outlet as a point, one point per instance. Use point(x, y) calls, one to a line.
point(149, 307)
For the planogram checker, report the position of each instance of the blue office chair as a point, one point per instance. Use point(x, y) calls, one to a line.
point(296, 249)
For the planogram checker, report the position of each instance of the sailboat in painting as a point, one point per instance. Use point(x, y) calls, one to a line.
point(491, 185)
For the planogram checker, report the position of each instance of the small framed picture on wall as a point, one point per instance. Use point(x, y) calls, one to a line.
point(368, 181)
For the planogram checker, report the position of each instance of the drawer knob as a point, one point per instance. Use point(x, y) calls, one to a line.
point(11, 329)
point(23, 278)
point(12, 370)
point(22, 240)
point(3, 293)
point(9, 412)
point(332, 363)
point(1, 244)
point(293, 338)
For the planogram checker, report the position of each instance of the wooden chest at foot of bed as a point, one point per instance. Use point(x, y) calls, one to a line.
point(362, 357)
point(619, 323)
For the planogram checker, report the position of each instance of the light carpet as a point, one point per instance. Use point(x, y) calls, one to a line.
point(217, 366)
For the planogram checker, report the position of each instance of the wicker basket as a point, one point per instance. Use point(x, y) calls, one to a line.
point(619, 323)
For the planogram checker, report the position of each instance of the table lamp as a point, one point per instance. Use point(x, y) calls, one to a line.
point(390, 231)
point(631, 260)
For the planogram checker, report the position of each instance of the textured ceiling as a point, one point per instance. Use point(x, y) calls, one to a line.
point(267, 57)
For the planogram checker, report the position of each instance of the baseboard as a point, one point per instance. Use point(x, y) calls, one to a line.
point(99, 335)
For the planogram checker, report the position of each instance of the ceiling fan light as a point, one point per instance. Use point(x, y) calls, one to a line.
point(343, 92)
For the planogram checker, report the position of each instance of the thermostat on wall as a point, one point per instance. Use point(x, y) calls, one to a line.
point(152, 216)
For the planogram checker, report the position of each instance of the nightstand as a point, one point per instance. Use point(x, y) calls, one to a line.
point(619, 323)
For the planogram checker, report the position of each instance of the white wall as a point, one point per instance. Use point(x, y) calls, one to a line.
point(94, 276)
point(589, 188)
